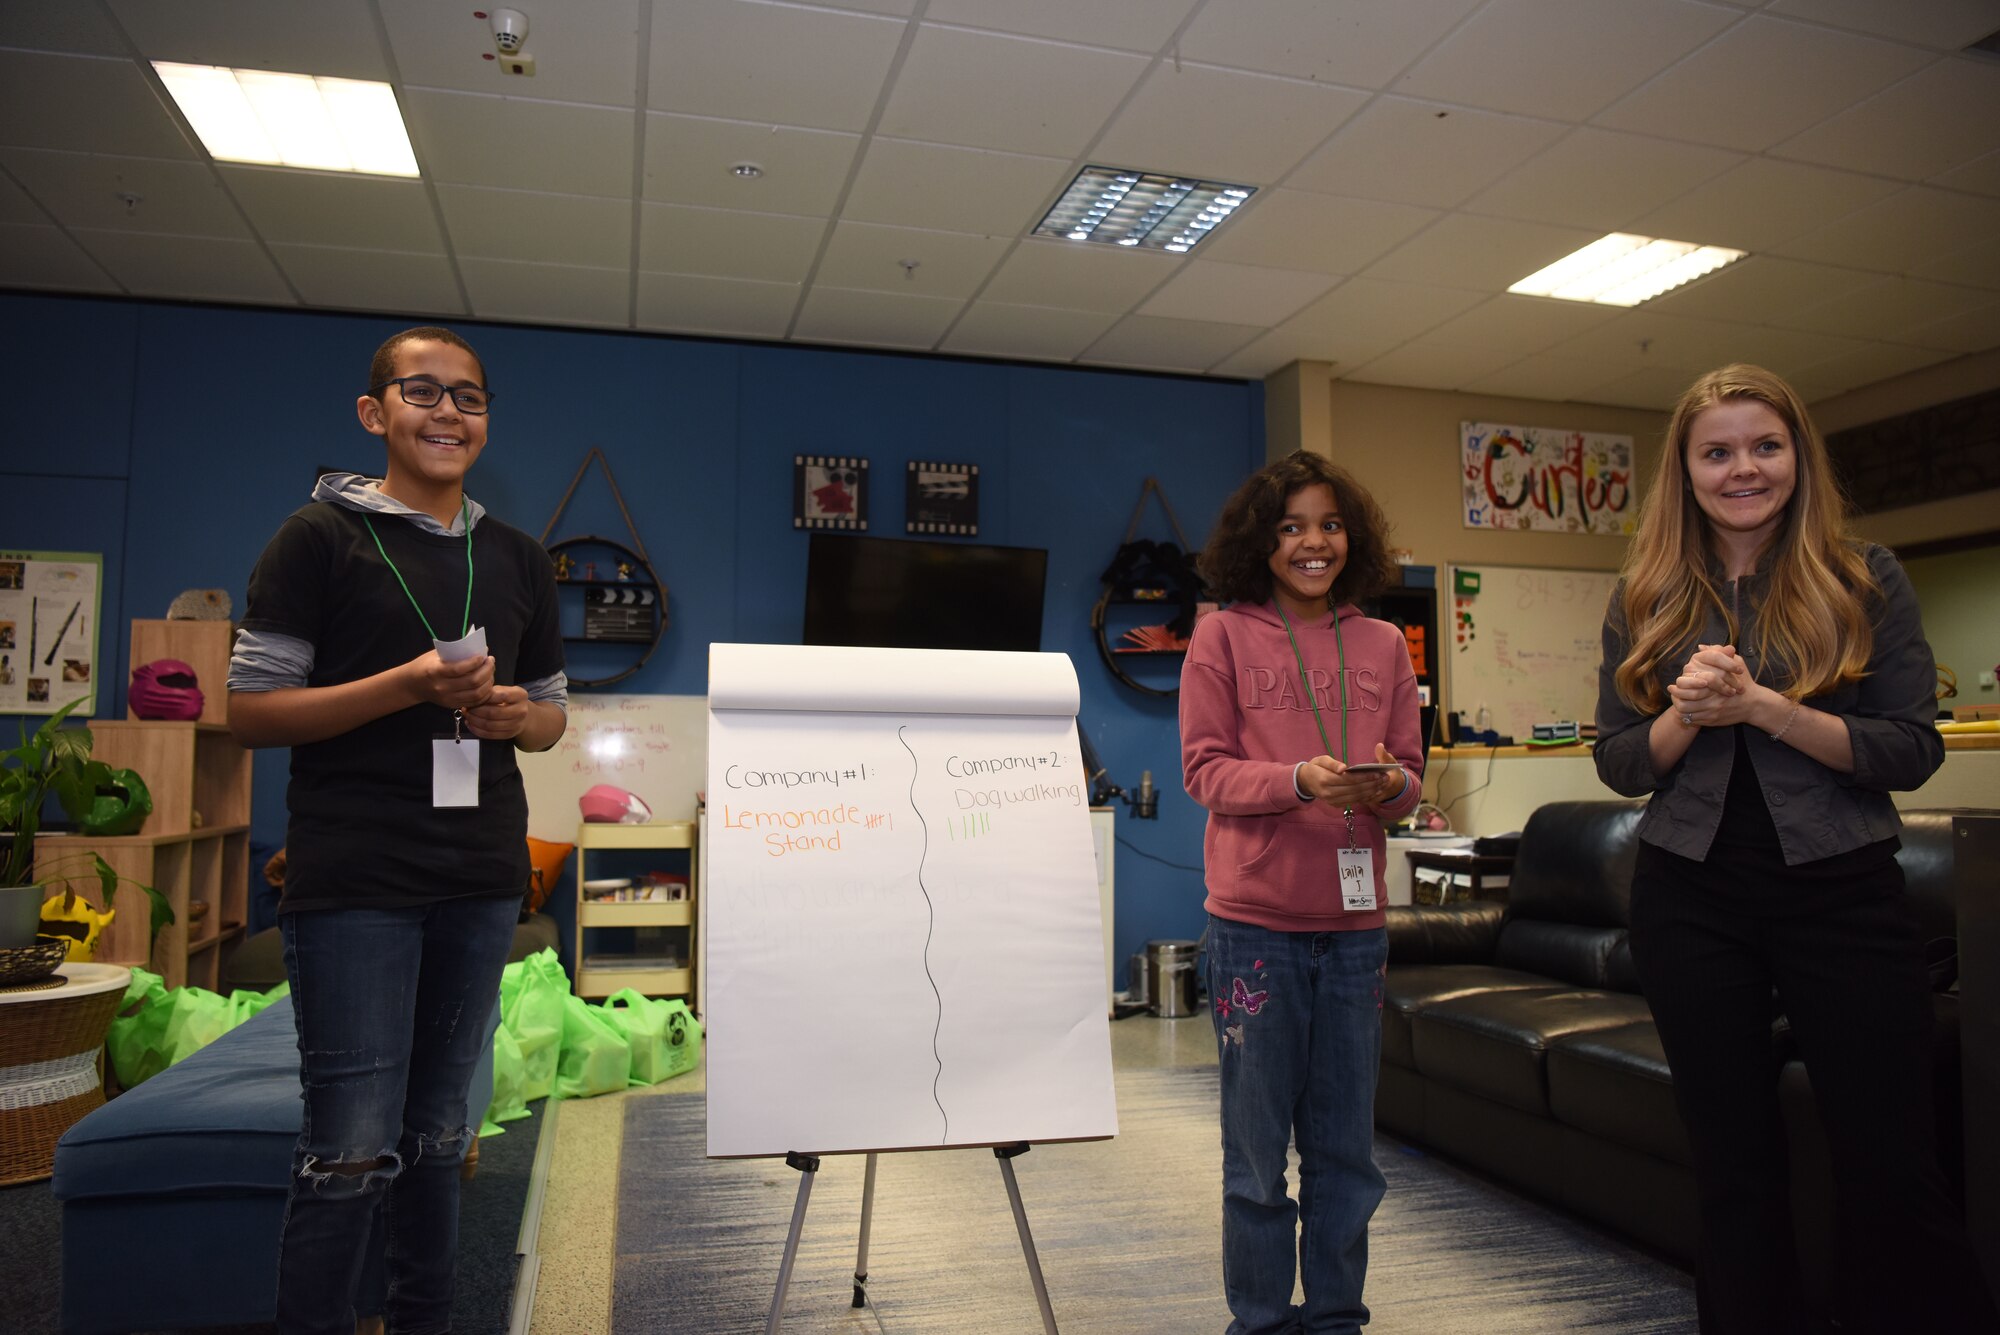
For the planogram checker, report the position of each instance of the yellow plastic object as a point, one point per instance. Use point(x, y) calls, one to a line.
point(81, 921)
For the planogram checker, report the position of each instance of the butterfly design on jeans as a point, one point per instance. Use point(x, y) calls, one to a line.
point(1242, 997)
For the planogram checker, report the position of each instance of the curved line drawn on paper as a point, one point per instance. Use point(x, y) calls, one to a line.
point(929, 930)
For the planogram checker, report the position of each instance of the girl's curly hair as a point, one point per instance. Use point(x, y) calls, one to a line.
point(1237, 561)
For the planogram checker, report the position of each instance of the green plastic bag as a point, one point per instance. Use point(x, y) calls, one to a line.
point(158, 1025)
point(509, 1103)
point(664, 1036)
point(532, 994)
point(595, 1057)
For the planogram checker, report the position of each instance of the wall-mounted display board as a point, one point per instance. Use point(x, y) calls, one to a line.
point(904, 947)
point(49, 603)
point(652, 745)
point(1526, 645)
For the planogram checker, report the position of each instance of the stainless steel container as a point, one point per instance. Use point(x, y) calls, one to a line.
point(1138, 984)
point(1170, 978)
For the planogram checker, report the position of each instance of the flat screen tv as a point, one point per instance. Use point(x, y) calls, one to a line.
point(897, 593)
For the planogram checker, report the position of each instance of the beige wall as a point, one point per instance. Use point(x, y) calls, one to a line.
point(1960, 595)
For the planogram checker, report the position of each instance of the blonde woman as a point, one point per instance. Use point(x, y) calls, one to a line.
point(1766, 679)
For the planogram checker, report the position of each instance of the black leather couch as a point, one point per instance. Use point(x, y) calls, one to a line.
point(1515, 1038)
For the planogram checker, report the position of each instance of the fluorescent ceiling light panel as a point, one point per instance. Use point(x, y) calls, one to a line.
point(1623, 269)
point(1147, 210)
point(292, 120)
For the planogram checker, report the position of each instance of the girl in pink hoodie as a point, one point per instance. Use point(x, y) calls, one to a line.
point(1283, 694)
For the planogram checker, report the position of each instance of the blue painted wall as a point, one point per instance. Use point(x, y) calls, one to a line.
point(174, 439)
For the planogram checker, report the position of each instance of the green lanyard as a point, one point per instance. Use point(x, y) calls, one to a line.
point(465, 518)
point(1340, 652)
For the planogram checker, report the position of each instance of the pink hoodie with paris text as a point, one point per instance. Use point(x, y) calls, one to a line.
point(1246, 722)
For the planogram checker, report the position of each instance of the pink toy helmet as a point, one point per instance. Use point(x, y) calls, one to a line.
point(165, 689)
point(605, 805)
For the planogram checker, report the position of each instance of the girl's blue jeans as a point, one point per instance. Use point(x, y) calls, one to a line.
point(392, 1007)
point(1298, 1027)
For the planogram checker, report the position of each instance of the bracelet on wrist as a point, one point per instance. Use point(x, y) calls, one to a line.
point(1790, 719)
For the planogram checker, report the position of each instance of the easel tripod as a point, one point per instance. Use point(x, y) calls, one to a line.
point(808, 1165)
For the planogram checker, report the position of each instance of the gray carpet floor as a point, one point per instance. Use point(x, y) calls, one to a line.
point(1128, 1231)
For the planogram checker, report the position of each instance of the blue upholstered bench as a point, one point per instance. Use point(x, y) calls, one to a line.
point(172, 1193)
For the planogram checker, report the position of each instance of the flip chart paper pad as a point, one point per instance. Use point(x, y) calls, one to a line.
point(904, 947)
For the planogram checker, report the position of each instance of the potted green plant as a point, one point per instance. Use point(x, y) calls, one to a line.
point(56, 760)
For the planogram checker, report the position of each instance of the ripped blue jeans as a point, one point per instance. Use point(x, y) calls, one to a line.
point(1298, 1027)
point(392, 1007)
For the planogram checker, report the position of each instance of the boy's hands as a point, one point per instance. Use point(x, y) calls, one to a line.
point(1327, 780)
point(501, 717)
point(460, 685)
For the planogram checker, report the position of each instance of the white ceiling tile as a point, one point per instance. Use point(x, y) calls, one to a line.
point(1601, 178)
point(1981, 177)
point(971, 190)
point(1037, 333)
point(1973, 331)
point(1296, 229)
point(1505, 329)
point(547, 293)
point(1973, 266)
point(1864, 365)
point(1943, 116)
point(1560, 58)
point(1421, 152)
point(1273, 352)
point(528, 225)
point(1235, 293)
point(1763, 204)
point(894, 8)
point(336, 209)
point(75, 29)
point(1364, 317)
point(201, 268)
point(586, 51)
point(1357, 42)
point(1171, 345)
point(1944, 25)
point(376, 280)
point(783, 64)
point(1635, 339)
point(1761, 82)
point(1654, 387)
point(1130, 25)
point(1902, 232)
point(1543, 376)
point(879, 319)
point(1245, 128)
point(1889, 308)
point(693, 305)
point(723, 243)
point(1079, 275)
point(519, 144)
point(1759, 289)
point(688, 161)
point(947, 264)
point(1022, 94)
point(335, 37)
point(1487, 254)
point(86, 105)
point(41, 256)
point(17, 207)
point(84, 189)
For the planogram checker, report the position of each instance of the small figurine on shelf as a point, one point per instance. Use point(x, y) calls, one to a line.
point(625, 571)
point(590, 570)
point(563, 565)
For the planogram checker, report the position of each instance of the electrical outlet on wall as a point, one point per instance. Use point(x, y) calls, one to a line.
point(524, 65)
point(1986, 681)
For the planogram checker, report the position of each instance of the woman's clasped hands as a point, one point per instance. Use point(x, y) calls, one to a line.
point(1715, 688)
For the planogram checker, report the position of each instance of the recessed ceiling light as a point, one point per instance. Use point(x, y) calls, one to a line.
point(292, 120)
point(1623, 269)
point(1146, 209)
point(749, 171)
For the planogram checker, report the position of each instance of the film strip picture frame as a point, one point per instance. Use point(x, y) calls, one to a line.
point(829, 491)
point(941, 498)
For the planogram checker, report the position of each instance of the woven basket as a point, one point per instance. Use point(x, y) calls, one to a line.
point(27, 964)
point(41, 1031)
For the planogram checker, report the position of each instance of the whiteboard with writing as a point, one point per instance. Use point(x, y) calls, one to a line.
point(904, 947)
point(652, 745)
point(1526, 645)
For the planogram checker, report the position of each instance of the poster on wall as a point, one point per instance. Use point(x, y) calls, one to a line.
point(941, 498)
point(1546, 478)
point(829, 492)
point(48, 630)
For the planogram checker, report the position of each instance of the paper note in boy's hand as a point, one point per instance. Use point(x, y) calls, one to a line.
point(472, 646)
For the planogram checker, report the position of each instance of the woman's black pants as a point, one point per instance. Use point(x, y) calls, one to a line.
point(1852, 982)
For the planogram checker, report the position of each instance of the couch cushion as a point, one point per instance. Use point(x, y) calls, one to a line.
point(1575, 864)
point(1565, 952)
point(1615, 1084)
point(1410, 987)
point(1495, 1044)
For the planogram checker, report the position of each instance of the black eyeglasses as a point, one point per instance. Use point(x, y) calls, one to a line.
point(421, 393)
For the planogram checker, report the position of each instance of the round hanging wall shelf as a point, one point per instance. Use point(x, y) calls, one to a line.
point(624, 603)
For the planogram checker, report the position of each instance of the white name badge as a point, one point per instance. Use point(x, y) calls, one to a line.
point(454, 772)
point(1357, 880)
